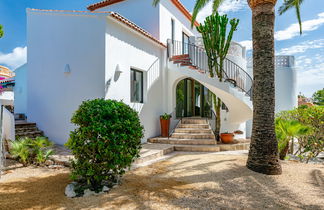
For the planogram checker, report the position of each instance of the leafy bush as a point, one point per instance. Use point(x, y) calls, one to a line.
point(310, 145)
point(31, 151)
point(105, 143)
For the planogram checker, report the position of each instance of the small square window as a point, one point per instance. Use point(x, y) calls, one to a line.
point(136, 86)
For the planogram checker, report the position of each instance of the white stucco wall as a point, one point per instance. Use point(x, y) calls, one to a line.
point(181, 23)
point(140, 12)
point(285, 83)
point(55, 40)
point(8, 125)
point(20, 89)
point(128, 49)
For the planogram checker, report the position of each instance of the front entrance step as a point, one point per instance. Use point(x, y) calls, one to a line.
point(194, 121)
point(192, 136)
point(162, 140)
point(199, 126)
point(151, 152)
point(193, 130)
point(197, 148)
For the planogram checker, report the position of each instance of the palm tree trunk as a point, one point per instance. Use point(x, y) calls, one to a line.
point(263, 154)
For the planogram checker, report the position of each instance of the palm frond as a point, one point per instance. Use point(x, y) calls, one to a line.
point(198, 6)
point(216, 5)
point(289, 4)
point(156, 2)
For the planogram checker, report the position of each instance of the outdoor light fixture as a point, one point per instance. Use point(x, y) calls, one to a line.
point(117, 73)
point(67, 69)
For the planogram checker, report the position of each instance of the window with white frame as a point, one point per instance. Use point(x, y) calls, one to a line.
point(137, 84)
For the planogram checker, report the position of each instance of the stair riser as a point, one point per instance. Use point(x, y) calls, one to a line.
point(181, 130)
point(21, 130)
point(197, 136)
point(196, 149)
point(183, 142)
point(194, 126)
point(25, 126)
point(187, 121)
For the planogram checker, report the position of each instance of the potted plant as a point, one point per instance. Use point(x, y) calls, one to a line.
point(165, 124)
point(227, 138)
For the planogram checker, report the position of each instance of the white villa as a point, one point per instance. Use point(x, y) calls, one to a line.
point(148, 57)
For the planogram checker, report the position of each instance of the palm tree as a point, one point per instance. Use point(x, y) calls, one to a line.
point(263, 154)
point(286, 131)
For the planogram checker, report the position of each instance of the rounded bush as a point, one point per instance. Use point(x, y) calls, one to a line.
point(106, 141)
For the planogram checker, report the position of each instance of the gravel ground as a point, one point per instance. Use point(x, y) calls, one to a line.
point(185, 181)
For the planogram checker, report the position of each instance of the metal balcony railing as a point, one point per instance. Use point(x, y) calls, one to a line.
point(231, 72)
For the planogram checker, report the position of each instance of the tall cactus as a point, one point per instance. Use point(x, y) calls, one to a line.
point(217, 41)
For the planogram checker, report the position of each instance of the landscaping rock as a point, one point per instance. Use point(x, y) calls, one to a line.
point(49, 162)
point(69, 190)
point(105, 189)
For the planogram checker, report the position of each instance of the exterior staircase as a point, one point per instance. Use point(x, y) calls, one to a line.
point(27, 129)
point(196, 135)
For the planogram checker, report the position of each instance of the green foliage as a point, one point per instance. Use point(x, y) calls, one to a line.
point(31, 151)
point(310, 145)
point(217, 107)
point(165, 116)
point(105, 143)
point(1, 31)
point(286, 131)
point(217, 41)
point(318, 97)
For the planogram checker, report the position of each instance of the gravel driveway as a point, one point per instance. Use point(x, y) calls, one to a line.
point(185, 181)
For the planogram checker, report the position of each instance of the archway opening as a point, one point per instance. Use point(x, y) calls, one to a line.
point(193, 99)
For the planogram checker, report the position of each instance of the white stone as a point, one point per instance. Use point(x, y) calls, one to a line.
point(88, 192)
point(105, 189)
point(69, 190)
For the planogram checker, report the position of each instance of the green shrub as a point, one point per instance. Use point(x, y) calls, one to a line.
point(105, 143)
point(312, 144)
point(31, 151)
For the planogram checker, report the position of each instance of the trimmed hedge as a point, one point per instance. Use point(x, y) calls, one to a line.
point(105, 143)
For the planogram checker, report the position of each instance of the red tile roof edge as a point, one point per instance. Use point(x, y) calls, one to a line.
point(177, 3)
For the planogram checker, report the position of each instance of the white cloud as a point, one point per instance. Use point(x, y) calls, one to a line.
point(226, 7)
point(302, 47)
point(293, 29)
point(14, 59)
point(310, 74)
point(247, 44)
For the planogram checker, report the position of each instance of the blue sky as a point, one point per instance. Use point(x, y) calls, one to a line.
point(308, 48)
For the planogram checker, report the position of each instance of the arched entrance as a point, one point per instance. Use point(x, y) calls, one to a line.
point(193, 99)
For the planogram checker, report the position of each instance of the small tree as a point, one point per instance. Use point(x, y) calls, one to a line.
point(216, 43)
point(105, 143)
point(318, 97)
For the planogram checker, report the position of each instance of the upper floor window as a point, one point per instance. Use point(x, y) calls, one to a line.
point(185, 43)
point(136, 86)
point(172, 29)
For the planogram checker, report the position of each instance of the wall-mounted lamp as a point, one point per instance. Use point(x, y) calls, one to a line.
point(117, 73)
point(67, 69)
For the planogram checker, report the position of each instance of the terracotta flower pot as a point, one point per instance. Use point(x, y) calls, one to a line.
point(227, 138)
point(165, 127)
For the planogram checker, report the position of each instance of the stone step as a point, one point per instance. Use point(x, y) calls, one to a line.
point(233, 147)
point(151, 152)
point(23, 125)
point(162, 140)
point(175, 57)
point(193, 121)
point(197, 148)
point(202, 126)
point(193, 130)
point(26, 129)
point(192, 136)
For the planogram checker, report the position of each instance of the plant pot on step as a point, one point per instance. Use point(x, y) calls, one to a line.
point(227, 138)
point(165, 125)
